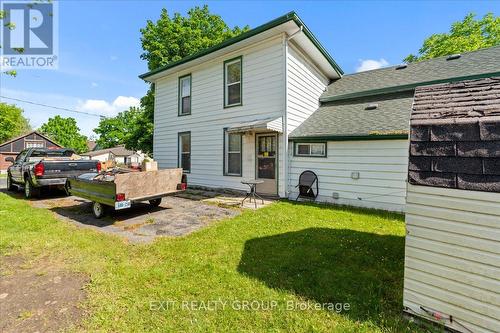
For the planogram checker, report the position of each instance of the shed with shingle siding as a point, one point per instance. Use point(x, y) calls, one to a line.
point(452, 255)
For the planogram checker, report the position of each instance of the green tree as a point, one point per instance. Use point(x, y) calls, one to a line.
point(115, 130)
point(170, 39)
point(65, 132)
point(467, 35)
point(12, 122)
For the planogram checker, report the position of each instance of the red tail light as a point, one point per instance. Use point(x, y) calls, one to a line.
point(98, 167)
point(120, 196)
point(39, 169)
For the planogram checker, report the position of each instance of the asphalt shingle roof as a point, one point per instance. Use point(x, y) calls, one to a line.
point(351, 117)
point(471, 63)
point(117, 151)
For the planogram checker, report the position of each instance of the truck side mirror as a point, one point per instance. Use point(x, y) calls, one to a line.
point(9, 159)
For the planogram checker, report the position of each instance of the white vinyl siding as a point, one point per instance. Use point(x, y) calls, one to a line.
point(305, 85)
point(452, 256)
point(263, 97)
point(382, 166)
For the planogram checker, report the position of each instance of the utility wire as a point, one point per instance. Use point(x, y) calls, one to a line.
point(53, 107)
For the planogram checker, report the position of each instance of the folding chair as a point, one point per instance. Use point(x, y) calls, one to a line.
point(307, 181)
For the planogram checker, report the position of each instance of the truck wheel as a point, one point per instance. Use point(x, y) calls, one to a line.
point(29, 190)
point(98, 209)
point(10, 185)
point(155, 202)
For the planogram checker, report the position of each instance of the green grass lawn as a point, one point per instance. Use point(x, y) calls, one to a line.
point(3, 175)
point(279, 256)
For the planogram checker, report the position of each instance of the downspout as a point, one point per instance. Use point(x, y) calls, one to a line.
point(286, 155)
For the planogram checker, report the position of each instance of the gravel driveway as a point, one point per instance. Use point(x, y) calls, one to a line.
point(175, 216)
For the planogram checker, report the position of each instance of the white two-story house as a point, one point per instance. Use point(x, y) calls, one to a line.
point(271, 103)
point(224, 114)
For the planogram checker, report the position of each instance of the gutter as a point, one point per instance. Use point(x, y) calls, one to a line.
point(361, 137)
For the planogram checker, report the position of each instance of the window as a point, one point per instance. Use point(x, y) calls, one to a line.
point(34, 144)
point(232, 82)
point(185, 95)
point(311, 149)
point(185, 151)
point(232, 154)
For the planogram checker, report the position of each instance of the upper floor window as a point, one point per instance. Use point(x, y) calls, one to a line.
point(310, 149)
point(185, 95)
point(232, 82)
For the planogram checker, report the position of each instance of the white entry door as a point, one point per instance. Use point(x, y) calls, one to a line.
point(266, 168)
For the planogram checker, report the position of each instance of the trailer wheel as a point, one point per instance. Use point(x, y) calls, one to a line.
point(155, 202)
point(98, 209)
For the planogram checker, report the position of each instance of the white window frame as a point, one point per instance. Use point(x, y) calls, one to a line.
point(310, 144)
point(34, 144)
point(227, 63)
point(227, 152)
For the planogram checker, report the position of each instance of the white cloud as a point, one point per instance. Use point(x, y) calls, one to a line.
point(100, 106)
point(94, 84)
point(369, 64)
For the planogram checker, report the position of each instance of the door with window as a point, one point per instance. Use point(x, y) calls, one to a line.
point(267, 163)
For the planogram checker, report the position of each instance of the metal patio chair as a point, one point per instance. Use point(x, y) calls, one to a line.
point(308, 180)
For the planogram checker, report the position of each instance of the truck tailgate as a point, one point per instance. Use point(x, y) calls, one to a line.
point(68, 168)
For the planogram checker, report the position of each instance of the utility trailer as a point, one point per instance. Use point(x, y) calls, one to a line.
point(120, 189)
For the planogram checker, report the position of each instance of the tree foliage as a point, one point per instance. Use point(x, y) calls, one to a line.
point(66, 133)
point(467, 35)
point(170, 39)
point(12, 122)
point(115, 131)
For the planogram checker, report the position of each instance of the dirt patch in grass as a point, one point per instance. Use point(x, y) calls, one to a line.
point(39, 296)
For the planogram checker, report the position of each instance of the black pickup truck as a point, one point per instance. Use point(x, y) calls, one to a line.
point(35, 168)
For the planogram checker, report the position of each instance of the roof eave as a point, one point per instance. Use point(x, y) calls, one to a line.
point(291, 16)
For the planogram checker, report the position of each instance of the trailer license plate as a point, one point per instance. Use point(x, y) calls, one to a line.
point(122, 204)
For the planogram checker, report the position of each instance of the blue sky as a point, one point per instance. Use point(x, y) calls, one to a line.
point(99, 44)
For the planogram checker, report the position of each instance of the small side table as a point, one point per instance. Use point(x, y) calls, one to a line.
point(253, 192)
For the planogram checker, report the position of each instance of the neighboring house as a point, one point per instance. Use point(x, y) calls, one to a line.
point(271, 103)
point(118, 154)
point(91, 145)
point(14, 146)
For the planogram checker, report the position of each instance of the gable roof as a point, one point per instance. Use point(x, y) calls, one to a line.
point(117, 151)
point(476, 64)
point(349, 119)
point(291, 16)
point(29, 133)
